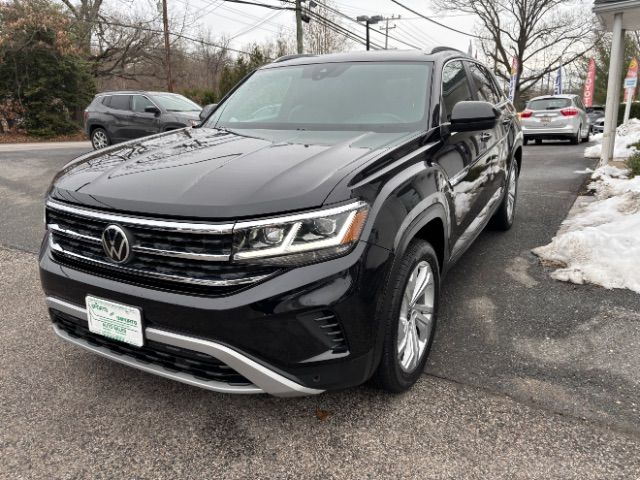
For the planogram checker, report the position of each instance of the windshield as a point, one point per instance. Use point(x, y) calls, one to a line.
point(549, 104)
point(172, 102)
point(385, 96)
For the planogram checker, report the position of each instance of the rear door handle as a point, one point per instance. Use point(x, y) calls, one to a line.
point(485, 137)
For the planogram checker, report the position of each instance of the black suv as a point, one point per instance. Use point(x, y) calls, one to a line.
point(114, 117)
point(295, 242)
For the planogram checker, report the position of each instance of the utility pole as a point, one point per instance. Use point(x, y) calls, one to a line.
point(386, 29)
point(368, 21)
point(167, 45)
point(299, 26)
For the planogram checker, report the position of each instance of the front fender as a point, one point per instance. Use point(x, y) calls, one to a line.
point(437, 209)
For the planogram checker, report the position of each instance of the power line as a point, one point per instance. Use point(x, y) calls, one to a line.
point(340, 29)
point(414, 31)
point(344, 15)
point(256, 25)
point(240, 13)
point(256, 4)
point(178, 35)
point(438, 23)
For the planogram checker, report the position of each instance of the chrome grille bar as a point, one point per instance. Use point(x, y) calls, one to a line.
point(160, 276)
point(166, 225)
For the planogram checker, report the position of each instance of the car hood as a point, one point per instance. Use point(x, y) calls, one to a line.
point(210, 173)
point(187, 115)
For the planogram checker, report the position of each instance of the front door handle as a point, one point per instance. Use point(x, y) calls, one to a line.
point(485, 137)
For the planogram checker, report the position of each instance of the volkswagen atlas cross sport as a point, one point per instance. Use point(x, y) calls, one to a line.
point(295, 241)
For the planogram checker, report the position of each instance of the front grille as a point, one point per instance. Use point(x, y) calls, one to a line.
point(173, 359)
point(193, 257)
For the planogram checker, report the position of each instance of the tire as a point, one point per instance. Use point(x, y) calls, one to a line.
point(503, 218)
point(100, 138)
point(575, 140)
point(538, 141)
point(398, 370)
point(588, 137)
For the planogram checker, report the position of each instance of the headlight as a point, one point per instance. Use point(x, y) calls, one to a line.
point(301, 238)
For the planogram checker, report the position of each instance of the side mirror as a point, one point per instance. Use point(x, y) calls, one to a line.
point(207, 110)
point(153, 110)
point(473, 116)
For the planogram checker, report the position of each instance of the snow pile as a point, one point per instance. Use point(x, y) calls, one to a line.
point(601, 243)
point(626, 135)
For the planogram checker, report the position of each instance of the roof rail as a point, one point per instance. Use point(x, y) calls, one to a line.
point(284, 58)
point(444, 49)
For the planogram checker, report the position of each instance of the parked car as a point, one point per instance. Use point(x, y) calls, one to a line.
point(114, 117)
point(595, 113)
point(295, 241)
point(598, 126)
point(555, 117)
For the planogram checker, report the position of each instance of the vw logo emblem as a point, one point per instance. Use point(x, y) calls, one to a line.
point(115, 243)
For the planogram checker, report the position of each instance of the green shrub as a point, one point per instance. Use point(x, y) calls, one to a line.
point(633, 164)
point(200, 96)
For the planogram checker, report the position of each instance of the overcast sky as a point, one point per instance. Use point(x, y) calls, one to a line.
point(245, 24)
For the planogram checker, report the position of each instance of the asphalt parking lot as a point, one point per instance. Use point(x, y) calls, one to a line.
point(528, 378)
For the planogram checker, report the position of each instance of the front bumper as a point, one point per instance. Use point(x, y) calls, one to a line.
point(273, 333)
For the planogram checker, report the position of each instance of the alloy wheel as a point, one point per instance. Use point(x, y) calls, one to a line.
point(99, 139)
point(416, 317)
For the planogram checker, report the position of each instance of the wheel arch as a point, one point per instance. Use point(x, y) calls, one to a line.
point(517, 156)
point(94, 126)
point(432, 226)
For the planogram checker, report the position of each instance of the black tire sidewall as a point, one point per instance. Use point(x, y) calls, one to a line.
point(501, 220)
point(390, 374)
point(578, 137)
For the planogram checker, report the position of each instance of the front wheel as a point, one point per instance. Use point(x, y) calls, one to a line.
point(409, 313)
point(587, 137)
point(503, 218)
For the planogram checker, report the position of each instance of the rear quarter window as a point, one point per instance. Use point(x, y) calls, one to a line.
point(119, 102)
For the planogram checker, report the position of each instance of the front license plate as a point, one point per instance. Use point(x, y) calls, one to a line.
point(114, 320)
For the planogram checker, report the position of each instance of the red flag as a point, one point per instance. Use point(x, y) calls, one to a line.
point(590, 84)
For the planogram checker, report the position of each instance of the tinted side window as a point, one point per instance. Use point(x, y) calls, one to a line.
point(106, 101)
point(484, 86)
point(120, 102)
point(139, 103)
point(455, 87)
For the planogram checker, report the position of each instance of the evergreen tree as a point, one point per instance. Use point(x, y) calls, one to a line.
point(41, 68)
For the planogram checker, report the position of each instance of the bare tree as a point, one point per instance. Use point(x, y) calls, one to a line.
point(86, 14)
point(320, 35)
point(528, 30)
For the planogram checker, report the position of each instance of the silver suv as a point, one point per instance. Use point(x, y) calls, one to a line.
point(555, 117)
